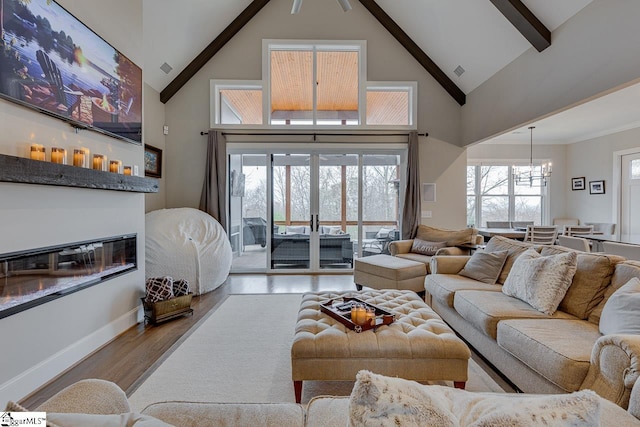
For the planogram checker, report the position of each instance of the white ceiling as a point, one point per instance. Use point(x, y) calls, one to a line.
point(469, 33)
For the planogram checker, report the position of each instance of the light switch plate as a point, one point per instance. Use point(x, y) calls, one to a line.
point(136, 171)
point(165, 130)
point(427, 214)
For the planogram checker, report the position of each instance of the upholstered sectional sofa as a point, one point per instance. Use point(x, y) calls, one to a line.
point(538, 352)
point(375, 398)
point(431, 241)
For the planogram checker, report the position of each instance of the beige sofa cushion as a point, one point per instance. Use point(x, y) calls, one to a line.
point(196, 414)
point(557, 349)
point(593, 275)
point(513, 247)
point(442, 287)
point(485, 309)
point(622, 273)
point(451, 237)
point(425, 259)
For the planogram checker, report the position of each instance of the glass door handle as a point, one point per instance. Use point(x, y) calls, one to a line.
point(317, 222)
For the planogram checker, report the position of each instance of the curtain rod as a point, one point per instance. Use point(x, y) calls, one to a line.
point(314, 134)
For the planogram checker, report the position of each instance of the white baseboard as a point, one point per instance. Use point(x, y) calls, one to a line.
point(30, 380)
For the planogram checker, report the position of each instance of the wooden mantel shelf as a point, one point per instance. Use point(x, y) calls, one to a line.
point(27, 171)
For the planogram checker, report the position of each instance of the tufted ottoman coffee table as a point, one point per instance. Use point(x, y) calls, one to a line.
point(417, 346)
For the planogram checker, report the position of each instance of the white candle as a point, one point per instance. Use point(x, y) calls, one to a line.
point(99, 162)
point(59, 155)
point(37, 152)
point(79, 158)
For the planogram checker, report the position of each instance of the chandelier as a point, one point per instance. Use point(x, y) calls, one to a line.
point(533, 176)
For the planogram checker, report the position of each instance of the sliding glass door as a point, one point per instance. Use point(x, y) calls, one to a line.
point(313, 211)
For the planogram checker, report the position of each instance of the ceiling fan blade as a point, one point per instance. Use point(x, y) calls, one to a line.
point(345, 5)
point(296, 6)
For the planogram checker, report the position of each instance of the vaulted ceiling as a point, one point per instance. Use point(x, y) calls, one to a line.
point(480, 36)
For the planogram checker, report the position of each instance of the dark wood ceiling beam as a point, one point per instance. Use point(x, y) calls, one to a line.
point(213, 48)
point(526, 22)
point(415, 50)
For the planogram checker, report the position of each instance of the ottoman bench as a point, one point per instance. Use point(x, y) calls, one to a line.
point(389, 272)
point(417, 346)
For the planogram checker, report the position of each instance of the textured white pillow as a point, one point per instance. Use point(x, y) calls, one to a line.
point(580, 408)
point(541, 281)
point(621, 312)
point(389, 402)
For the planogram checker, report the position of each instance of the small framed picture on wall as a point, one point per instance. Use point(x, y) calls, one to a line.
point(596, 187)
point(578, 183)
point(152, 161)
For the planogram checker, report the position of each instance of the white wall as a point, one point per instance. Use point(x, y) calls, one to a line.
point(47, 339)
point(595, 51)
point(544, 153)
point(154, 120)
point(187, 113)
point(594, 160)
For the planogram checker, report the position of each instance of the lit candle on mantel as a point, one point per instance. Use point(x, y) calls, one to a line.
point(37, 152)
point(127, 170)
point(114, 166)
point(59, 155)
point(99, 162)
point(79, 158)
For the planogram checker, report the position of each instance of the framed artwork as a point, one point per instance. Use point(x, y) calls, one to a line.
point(578, 183)
point(152, 161)
point(596, 187)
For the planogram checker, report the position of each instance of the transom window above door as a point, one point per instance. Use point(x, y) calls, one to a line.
point(313, 85)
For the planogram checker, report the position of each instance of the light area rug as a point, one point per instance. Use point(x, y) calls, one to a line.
point(242, 353)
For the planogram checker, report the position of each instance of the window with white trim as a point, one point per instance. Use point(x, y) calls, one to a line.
point(314, 84)
point(493, 196)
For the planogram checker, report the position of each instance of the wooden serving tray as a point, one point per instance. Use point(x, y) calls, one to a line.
point(342, 313)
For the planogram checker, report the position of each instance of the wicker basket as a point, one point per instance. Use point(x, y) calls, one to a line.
point(160, 311)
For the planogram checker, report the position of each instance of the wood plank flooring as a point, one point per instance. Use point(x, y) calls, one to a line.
point(127, 359)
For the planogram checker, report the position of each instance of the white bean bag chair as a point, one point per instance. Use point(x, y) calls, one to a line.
point(189, 244)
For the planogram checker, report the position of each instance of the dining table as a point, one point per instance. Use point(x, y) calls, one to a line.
point(510, 233)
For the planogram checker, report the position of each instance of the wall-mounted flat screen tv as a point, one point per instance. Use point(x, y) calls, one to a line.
point(54, 63)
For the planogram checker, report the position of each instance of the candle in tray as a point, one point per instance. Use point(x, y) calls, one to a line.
point(99, 162)
point(114, 166)
point(59, 155)
point(370, 316)
point(361, 315)
point(127, 170)
point(79, 158)
point(37, 152)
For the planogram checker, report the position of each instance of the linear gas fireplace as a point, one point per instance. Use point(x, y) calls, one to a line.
point(33, 277)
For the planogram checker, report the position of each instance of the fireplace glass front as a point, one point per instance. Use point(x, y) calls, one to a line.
point(33, 277)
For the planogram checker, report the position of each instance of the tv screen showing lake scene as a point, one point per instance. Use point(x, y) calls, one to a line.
point(54, 63)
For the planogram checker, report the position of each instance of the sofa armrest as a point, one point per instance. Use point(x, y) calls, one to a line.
point(452, 250)
point(450, 264)
point(615, 367)
point(400, 247)
point(92, 396)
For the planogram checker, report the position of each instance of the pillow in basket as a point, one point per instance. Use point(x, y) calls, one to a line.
point(180, 288)
point(159, 289)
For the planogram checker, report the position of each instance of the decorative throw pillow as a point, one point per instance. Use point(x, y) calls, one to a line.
point(485, 266)
point(452, 237)
point(295, 229)
point(180, 288)
point(541, 281)
point(159, 289)
point(621, 312)
point(580, 408)
point(425, 247)
point(386, 401)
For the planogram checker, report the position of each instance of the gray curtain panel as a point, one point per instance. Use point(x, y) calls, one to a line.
point(214, 190)
point(411, 211)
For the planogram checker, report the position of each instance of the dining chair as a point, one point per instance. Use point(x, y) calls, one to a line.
point(498, 224)
point(603, 227)
point(541, 234)
point(577, 243)
point(520, 224)
point(576, 230)
point(566, 221)
point(623, 249)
